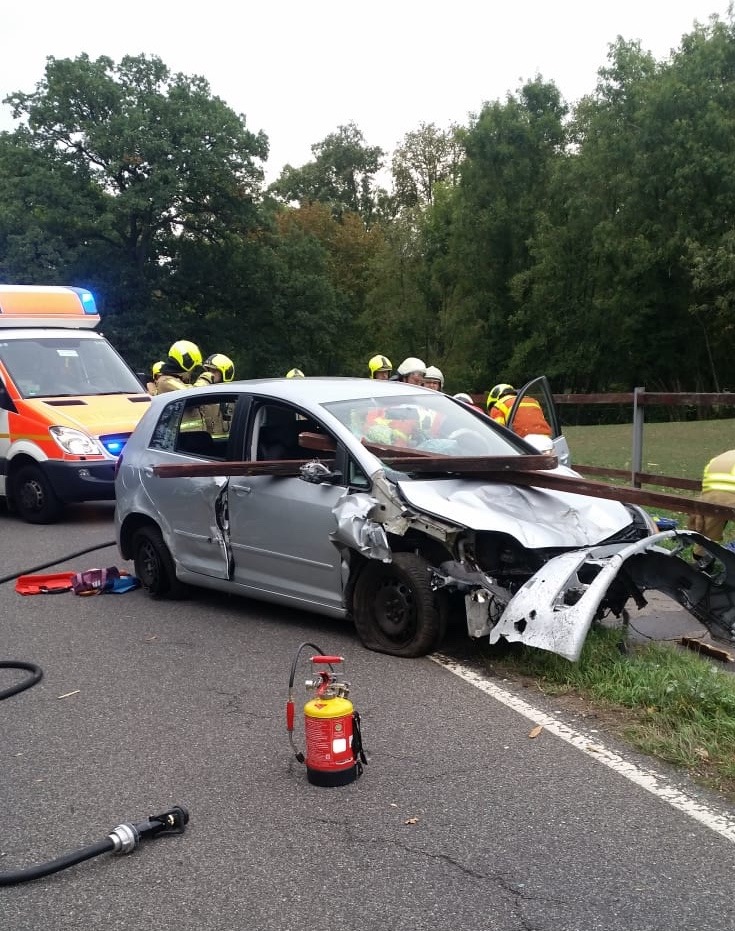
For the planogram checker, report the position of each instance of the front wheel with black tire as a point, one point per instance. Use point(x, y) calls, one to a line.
point(154, 565)
point(32, 496)
point(394, 609)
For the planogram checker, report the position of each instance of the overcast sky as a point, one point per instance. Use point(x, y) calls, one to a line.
point(298, 69)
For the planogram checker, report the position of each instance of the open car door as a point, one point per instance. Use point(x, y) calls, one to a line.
point(539, 390)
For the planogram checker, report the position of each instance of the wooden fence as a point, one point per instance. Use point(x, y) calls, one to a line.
point(639, 399)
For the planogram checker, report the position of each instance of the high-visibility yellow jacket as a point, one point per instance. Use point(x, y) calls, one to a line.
point(719, 473)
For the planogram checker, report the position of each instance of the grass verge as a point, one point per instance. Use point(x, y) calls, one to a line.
point(666, 702)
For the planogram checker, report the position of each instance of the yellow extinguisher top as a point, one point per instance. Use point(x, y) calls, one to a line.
point(334, 707)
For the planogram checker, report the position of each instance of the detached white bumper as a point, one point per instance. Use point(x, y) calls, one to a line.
point(537, 614)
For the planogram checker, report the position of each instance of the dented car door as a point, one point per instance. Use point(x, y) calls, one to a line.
point(280, 526)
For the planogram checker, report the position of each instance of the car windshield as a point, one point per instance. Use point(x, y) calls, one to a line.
point(430, 422)
point(66, 365)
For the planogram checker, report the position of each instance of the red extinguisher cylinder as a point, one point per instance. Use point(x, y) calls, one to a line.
point(330, 759)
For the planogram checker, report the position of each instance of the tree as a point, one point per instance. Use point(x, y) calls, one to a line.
point(348, 252)
point(511, 149)
point(341, 175)
point(638, 244)
point(156, 160)
point(426, 157)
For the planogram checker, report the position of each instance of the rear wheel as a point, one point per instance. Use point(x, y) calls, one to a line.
point(154, 565)
point(33, 498)
point(395, 610)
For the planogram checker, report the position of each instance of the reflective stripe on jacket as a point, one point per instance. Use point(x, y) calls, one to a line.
point(529, 416)
point(719, 473)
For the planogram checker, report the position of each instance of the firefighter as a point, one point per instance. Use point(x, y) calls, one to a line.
point(529, 417)
point(184, 361)
point(381, 368)
point(434, 378)
point(217, 368)
point(718, 487)
point(216, 417)
point(412, 371)
point(152, 386)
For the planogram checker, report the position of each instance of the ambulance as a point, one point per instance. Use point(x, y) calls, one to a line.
point(68, 402)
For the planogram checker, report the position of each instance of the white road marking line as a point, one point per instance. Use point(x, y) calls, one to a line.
point(718, 821)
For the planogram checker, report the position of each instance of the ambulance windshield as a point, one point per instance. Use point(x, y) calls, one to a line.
point(68, 366)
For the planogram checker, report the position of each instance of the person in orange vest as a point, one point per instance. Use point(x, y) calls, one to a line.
point(718, 487)
point(529, 418)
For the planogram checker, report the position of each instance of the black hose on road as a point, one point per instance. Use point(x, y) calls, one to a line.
point(36, 676)
point(122, 839)
point(36, 671)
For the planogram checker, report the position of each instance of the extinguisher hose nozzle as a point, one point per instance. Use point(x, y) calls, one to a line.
point(289, 714)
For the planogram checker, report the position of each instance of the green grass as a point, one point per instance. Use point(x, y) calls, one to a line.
point(663, 700)
point(671, 704)
point(676, 448)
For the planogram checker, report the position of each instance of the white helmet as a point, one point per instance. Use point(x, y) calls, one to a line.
point(463, 396)
point(436, 374)
point(411, 365)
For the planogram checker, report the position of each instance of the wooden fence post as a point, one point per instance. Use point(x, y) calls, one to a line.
point(637, 456)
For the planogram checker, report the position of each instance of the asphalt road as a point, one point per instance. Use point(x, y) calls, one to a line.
point(460, 820)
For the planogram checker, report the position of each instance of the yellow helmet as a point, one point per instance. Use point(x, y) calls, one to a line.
point(498, 392)
point(294, 373)
point(222, 363)
point(156, 368)
point(379, 364)
point(185, 354)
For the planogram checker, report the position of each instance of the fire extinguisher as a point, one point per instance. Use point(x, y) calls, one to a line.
point(334, 753)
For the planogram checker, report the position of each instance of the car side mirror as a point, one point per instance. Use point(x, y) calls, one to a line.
point(319, 473)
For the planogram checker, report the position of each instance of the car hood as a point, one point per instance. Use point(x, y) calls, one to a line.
point(536, 517)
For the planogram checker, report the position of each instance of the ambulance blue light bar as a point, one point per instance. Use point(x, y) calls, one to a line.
point(47, 306)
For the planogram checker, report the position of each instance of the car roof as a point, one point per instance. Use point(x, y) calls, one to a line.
point(311, 390)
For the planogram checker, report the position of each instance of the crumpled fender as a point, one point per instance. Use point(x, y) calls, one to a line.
point(538, 616)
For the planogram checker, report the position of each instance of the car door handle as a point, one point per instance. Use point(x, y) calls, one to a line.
point(242, 490)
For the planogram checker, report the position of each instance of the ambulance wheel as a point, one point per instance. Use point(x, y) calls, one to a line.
point(154, 565)
point(34, 499)
point(395, 611)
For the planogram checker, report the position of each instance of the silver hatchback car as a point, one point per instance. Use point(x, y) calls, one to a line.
point(385, 503)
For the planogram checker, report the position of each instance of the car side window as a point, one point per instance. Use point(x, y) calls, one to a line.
point(194, 428)
point(276, 433)
point(356, 477)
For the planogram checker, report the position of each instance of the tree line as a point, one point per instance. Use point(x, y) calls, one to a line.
point(593, 243)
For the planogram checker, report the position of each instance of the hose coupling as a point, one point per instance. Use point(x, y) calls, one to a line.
point(124, 838)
